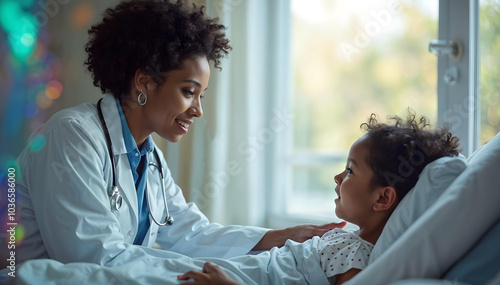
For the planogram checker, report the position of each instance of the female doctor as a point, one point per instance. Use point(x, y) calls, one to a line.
point(100, 190)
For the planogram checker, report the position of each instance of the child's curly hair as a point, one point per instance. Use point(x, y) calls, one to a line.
point(399, 152)
point(155, 36)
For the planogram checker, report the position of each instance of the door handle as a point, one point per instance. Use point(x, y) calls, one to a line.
point(445, 47)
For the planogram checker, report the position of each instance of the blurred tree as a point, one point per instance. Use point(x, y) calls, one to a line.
point(489, 42)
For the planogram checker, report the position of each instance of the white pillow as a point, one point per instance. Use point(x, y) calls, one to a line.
point(432, 182)
point(475, 155)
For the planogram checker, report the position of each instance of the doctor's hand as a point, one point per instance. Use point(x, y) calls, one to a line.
point(298, 233)
point(211, 275)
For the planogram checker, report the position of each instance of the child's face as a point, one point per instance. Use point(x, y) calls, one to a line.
point(355, 201)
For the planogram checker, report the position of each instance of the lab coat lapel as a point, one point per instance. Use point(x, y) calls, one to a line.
point(124, 178)
point(156, 198)
point(126, 184)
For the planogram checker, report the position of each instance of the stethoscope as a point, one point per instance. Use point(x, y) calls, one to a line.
point(115, 198)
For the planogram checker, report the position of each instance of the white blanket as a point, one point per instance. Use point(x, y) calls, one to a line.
point(294, 263)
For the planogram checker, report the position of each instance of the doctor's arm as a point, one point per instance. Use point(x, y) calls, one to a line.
point(193, 235)
point(298, 233)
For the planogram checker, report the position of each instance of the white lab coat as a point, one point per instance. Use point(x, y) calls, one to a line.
point(65, 209)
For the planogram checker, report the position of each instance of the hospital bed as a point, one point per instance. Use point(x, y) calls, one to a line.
point(445, 232)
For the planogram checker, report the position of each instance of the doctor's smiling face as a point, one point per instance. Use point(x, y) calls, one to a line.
point(173, 103)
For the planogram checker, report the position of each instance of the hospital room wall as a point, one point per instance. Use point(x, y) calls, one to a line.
point(69, 34)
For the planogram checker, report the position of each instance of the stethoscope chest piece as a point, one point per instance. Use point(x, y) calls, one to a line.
point(170, 220)
point(116, 198)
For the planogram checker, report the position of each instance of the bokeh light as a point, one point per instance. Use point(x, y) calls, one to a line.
point(27, 40)
point(26, 3)
point(30, 110)
point(54, 89)
point(37, 143)
point(55, 84)
point(19, 234)
point(32, 82)
point(82, 15)
point(9, 11)
point(20, 27)
point(43, 101)
point(6, 162)
point(52, 92)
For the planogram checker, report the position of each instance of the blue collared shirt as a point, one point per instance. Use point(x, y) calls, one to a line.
point(138, 160)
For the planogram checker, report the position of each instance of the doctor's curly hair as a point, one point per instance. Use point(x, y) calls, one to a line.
point(398, 152)
point(155, 36)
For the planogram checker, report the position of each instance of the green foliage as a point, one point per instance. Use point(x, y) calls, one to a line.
point(489, 41)
point(335, 93)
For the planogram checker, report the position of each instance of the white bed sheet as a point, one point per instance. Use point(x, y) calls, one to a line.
point(295, 263)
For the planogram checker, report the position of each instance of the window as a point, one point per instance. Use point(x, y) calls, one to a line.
point(349, 59)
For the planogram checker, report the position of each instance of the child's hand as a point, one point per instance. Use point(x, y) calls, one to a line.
point(212, 274)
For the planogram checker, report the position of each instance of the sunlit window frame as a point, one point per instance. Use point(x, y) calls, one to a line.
point(464, 94)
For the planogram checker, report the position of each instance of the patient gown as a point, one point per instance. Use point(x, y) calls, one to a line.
point(341, 250)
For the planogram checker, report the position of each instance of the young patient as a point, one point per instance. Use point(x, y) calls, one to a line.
point(382, 166)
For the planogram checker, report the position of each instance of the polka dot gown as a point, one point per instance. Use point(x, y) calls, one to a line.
point(341, 250)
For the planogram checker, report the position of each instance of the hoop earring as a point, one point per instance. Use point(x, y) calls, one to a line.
point(142, 98)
